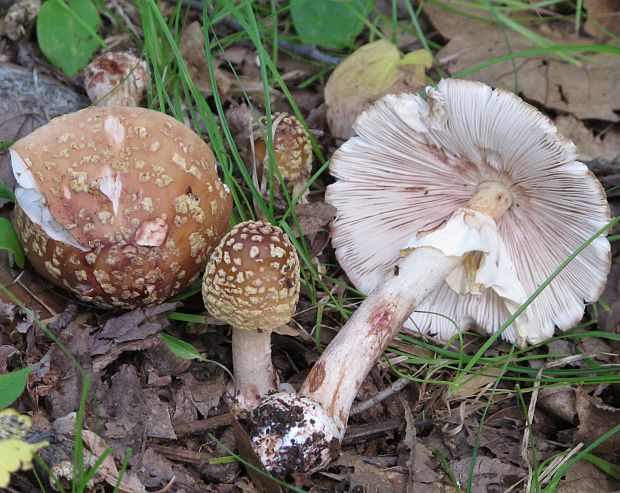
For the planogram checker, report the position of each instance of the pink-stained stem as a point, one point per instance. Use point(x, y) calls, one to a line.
point(337, 376)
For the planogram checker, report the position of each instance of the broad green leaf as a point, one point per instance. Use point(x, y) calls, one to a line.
point(12, 385)
point(182, 349)
point(67, 33)
point(9, 241)
point(5, 193)
point(330, 23)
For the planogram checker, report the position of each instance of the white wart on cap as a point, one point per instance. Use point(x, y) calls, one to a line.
point(120, 206)
point(416, 161)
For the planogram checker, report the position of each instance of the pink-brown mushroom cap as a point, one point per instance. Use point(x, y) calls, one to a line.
point(135, 201)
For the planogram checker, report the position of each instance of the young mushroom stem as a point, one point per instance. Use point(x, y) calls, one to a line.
point(254, 374)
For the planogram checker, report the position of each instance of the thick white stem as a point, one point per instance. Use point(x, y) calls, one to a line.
point(254, 374)
point(336, 377)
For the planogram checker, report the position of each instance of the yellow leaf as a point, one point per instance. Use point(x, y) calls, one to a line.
point(15, 453)
point(369, 72)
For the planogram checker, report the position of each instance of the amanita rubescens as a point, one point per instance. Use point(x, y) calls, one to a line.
point(461, 203)
point(121, 206)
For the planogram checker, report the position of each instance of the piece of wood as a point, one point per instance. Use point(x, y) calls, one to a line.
point(183, 429)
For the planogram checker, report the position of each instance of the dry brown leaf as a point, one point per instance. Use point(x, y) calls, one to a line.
point(370, 478)
point(489, 474)
point(313, 217)
point(374, 69)
point(588, 90)
point(475, 384)
point(193, 51)
point(559, 401)
point(595, 419)
point(584, 477)
point(590, 146)
point(603, 18)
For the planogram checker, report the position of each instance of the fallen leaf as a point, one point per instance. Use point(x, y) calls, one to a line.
point(313, 217)
point(587, 90)
point(369, 72)
point(475, 384)
point(590, 146)
point(585, 477)
point(6, 352)
point(370, 478)
point(559, 401)
point(193, 52)
point(595, 419)
point(490, 474)
point(602, 18)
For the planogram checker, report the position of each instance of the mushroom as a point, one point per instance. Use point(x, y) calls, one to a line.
point(461, 205)
point(252, 283)
point(116, 78)
point(121, 206)
point(291, 148)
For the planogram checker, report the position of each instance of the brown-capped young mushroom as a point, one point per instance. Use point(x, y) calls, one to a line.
point(460, 204)
point(116, 78)
point(291, 148)
point(252, 283)
point(121, 206)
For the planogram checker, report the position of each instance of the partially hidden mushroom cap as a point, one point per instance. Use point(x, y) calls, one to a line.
point(252, 278)
point(116, 78)
point(416, 160)
point(120, 206)
point(291, 145)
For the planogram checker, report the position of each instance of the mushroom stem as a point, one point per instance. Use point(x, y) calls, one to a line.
point(336, 377)
point(254, 374)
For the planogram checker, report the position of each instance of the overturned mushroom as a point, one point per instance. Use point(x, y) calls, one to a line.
point(460, 204)
point(120, 206)
point(252, 283)
point(116, 78)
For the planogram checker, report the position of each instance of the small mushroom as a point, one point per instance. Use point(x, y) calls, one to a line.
point(116, 78)
point(291, 147)
point(459, 204)
point(121, 206)
point(252, 283)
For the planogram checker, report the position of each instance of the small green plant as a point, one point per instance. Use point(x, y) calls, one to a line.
point(8, 237)
point(12, 385)
point(330, 23)
point(67, 33)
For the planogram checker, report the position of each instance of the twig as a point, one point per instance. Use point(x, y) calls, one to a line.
point(201, 426)
point(396, 386)
point(308, 51)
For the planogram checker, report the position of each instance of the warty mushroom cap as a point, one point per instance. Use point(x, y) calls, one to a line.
point(252, 278)
point(416, 161)
point(291, 146)
point(120, 206)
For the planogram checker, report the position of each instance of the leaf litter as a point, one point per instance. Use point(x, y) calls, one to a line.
point(175, 414)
